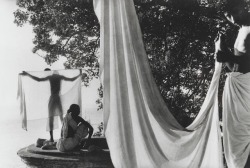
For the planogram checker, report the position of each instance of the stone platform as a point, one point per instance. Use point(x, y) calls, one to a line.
point(37, 158)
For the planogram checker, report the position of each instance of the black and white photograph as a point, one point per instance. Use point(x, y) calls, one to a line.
point(125, 83)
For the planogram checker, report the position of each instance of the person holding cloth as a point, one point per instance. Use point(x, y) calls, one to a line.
point(54, 105)
point(236, 95)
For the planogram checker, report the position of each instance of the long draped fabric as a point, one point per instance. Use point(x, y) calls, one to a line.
point(140, 130)
point(236, 119)
point(36, 98)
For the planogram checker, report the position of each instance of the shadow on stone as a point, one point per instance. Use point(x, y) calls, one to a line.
point(95, 156)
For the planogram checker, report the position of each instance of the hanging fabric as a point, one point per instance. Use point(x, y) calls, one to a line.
point(140, 130)
point(236, 119)
point(48, 98)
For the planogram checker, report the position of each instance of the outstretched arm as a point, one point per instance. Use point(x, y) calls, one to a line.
point(34, 77)
point(242, 58)
point(230, 59)
point(72, 79)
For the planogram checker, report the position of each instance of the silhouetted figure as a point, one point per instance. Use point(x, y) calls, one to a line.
point(74, 130)
point(55, 105)
point(238, 61)
point(236, 95)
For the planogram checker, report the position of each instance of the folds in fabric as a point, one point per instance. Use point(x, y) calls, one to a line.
point(140, 130)
point(36, 98)
point(236, 119)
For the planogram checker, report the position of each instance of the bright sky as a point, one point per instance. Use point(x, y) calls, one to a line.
point(15, 56)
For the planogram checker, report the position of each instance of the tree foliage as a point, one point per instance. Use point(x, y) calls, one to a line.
point(62, 28)
point(178, 36)
point(179, 40)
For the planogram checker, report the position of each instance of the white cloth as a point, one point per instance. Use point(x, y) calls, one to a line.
point(35, 97)
point(236, 119)
point(140, 130)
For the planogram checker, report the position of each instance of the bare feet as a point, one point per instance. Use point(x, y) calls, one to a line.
point(49, 145)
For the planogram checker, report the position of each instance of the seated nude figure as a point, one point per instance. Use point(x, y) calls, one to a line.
point(73, 132)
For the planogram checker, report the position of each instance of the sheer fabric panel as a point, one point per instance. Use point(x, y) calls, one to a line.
point(35, 96)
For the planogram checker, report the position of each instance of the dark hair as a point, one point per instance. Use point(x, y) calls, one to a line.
point(47, 69)
point(74, 109)
point(233, 6)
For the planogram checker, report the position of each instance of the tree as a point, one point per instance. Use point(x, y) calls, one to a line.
point(178, 36)
point(179, 40)
point(62, 28)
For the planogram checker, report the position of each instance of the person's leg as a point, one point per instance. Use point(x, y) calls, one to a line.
point(51, 136)
point(60, 110)
point(51, 124)
point(51, 109)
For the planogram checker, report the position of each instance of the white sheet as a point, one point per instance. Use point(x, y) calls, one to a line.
point(140, 130)
point(34, 96)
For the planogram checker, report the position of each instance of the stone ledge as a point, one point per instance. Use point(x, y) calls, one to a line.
point(37, 158)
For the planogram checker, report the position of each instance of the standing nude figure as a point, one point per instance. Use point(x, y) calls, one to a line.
point(54, 105)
